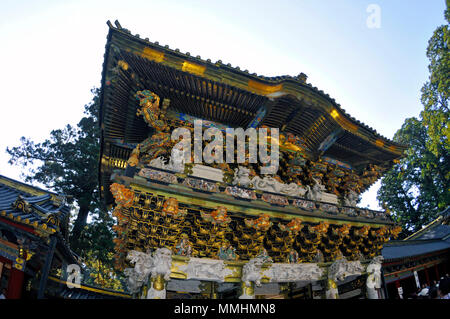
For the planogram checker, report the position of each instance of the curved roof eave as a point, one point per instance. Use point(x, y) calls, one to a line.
point(271, 87)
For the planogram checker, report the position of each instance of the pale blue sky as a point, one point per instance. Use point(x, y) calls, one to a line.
point(52, 53)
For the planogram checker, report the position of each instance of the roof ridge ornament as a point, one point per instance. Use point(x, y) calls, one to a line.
point(21, 204)
point(60, 200)
point(302, 77)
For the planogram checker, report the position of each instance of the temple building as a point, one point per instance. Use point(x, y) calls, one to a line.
point(33, 238)
point(34, 249)
point(420, 259)
point(193, 228)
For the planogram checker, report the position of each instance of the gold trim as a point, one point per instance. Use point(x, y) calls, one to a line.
point(105, 292)
point(424, 228)
point(379, 143)
point(263, 88)
point(28, 189)
point(193, 68)
point(342, 121)
point(152, 54)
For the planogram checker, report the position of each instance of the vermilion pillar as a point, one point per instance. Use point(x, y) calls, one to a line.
point(15, 284)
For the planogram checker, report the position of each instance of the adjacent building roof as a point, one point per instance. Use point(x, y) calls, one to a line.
point(432, 238)
point(43, 211)
point(400, 250)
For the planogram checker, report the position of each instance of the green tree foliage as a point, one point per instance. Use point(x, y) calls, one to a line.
point(436, 91)
point(101, 274)
point(418, 188)
point(67, 163)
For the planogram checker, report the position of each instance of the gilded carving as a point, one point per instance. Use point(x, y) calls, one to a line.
point(294, 226)
point(218, 216)
point(170, 207)
point(292, 257)
point(395, 231)
point(183, 246)
point(21, 204)
point(262, 223)
point(227, 251)
point(123, 196)
point(320, 229)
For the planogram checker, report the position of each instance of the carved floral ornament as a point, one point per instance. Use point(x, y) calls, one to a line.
point(342, 231)
point(363, 231)
point(293, 227)
point(395, 231)
point(123, 196)
point(170, 207)
point(261, 223)
point(218, 216)
point(320, 229)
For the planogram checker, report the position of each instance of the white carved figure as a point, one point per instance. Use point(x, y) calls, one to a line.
point(315, 192)
point(162, 262)
point(284, 272)
point(158, 162)
point(145, 265)
point(270, 184)
point(292, 189)
point(351, 199)
point(374, 277)
point(134, 280)
point(143, 262)
point(137, 276)
point(242, 177)
point(318, 193)
point(342, 268)
point(320, 186)
point(175, 164)
point(152, 293)
point(251, 272)
point(206, 269)
point(267, 183)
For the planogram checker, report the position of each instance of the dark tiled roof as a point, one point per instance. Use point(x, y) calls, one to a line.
point(433, 237)
point(411, 249)
point(33, 206)
point(437, 232)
